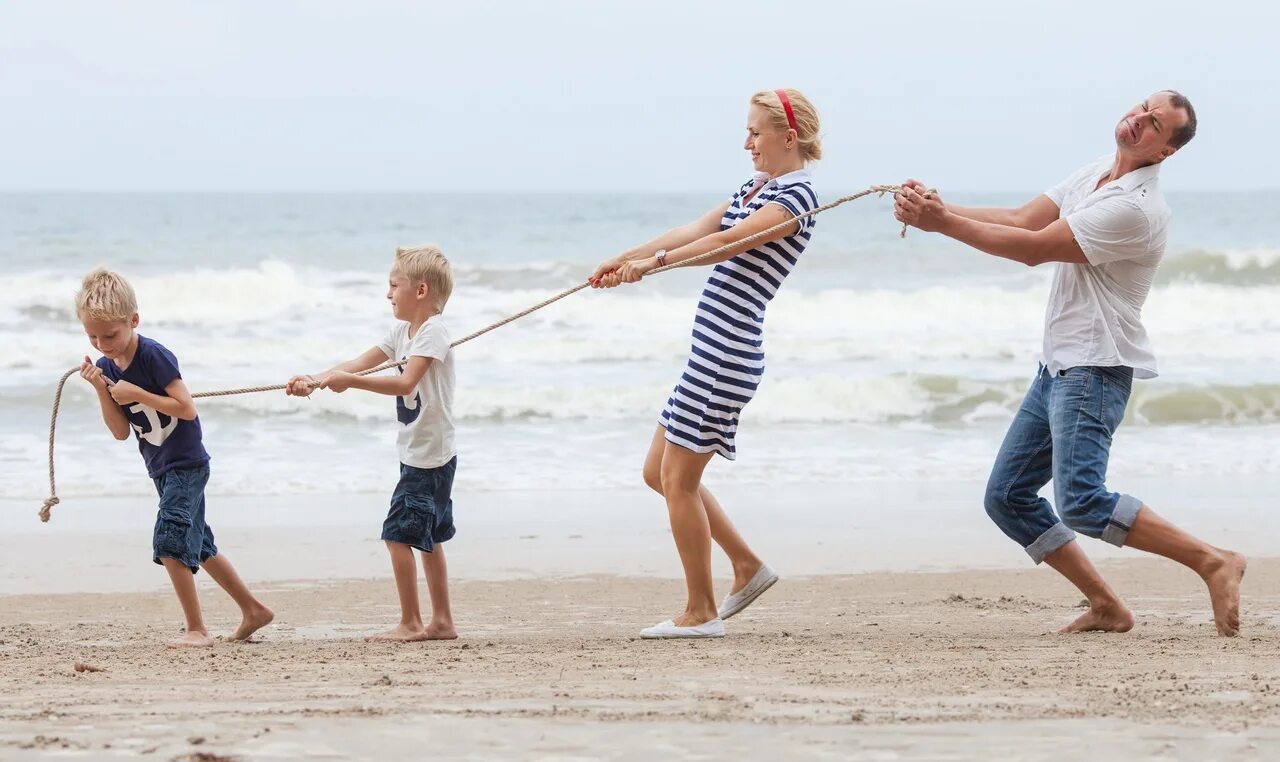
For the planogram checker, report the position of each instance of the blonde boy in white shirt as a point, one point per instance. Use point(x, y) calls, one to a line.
point(421, 514)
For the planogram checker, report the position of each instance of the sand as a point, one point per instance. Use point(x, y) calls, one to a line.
point(917, 664)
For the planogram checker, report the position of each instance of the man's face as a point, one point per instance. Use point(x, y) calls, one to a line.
point(1145, 130)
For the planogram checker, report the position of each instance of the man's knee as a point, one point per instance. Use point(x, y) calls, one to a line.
point(996, 499)
point(1087, 513)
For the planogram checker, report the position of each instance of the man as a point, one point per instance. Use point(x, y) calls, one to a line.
point(1104, 226)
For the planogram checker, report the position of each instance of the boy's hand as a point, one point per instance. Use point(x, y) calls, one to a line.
point(93, 374)
point(301, 386)
point(124, 392)
point(337, 381)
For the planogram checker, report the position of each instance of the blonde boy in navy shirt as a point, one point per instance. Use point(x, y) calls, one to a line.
point(140, 389)
point(421, 514)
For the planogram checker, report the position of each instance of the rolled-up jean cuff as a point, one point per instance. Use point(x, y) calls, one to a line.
point(1053, 538)
point(1121, 520)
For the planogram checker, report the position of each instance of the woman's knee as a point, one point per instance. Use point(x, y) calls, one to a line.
point(653, 476)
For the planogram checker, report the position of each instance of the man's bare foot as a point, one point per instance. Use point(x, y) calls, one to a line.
point(252, 622)
point(402, 634)
point(441, 631)
point(192, 640)
point(1223, 579)
point(1107, 617)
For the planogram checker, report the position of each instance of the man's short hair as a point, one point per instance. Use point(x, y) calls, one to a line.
point(1186, 132)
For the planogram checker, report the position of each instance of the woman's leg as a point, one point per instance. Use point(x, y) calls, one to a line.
point(681, 477)
point(745, 562)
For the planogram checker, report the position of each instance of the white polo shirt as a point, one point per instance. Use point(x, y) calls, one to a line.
point(1094, 315)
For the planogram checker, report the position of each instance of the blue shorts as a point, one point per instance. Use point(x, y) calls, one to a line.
point(421, 512)
point(180, 529)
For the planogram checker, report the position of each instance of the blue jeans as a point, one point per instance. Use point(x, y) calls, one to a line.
point(1062, 433)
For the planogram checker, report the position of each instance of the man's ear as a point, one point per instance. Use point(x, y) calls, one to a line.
point(133, 322)
point(1166, 152)
point(423, 291)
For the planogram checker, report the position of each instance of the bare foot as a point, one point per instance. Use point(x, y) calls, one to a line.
point(192, 640)
point(441, 632)
point(1109, 617)
point(252, 622)
point(1223, 580)
point(402, 634)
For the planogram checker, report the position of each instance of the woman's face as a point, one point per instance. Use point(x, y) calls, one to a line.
point(767, 144)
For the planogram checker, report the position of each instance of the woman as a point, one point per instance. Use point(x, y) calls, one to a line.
point(727, 356)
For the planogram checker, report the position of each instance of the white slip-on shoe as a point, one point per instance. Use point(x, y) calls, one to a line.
point(668, 629)
point(735, 602)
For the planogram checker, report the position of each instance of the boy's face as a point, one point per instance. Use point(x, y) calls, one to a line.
point(404, 295)
point(111, 337)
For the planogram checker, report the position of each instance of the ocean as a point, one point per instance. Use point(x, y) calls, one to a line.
point(887, 358)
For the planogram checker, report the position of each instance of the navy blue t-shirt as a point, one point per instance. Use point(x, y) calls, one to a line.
point(165, 443)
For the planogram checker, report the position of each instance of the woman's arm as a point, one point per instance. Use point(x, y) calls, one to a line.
point(758, 221)
point(672, 239)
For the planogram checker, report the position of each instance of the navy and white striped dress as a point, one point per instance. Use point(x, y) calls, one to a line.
point(726, 361)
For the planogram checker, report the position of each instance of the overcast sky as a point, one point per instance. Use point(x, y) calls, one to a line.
point(557, 95)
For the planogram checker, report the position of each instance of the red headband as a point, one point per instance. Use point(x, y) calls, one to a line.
point(786, 106)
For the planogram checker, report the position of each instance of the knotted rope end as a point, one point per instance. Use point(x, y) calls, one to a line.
point(47, 508)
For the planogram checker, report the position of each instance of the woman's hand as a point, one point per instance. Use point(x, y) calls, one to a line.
point(598, 278)
point(633, 271)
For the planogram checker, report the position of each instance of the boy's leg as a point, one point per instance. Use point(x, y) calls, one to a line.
point(253, 615)
point(406, 574)
point(184, 584)
point(436, 570)
point(681, 476)
point(745, 562)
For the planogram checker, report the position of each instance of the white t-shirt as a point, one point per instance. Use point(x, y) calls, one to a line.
point(426, 416)
point(1094, 315)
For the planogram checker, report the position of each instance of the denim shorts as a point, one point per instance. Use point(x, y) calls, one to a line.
point(421, 512)
point(180, 529)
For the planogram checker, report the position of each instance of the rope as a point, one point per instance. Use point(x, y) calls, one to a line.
point(53, 500)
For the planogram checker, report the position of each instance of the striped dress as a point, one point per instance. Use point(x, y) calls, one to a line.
point(726, 361)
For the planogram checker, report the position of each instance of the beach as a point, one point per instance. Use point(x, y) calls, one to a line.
point(891, 635)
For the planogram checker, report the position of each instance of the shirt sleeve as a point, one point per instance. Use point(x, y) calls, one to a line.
point(1111, 230)
point(162, 367)
point(388, 344)
point(798, 199)
point(432, 340)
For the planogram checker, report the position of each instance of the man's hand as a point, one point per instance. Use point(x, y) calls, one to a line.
point(124, 392)
point(93, 374)
point(917, 206)
point(338, 381)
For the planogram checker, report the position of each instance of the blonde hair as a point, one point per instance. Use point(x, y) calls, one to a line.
point(427, 264)
point(105, 295)
point(807, 122)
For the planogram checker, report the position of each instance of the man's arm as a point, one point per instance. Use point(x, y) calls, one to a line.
point(1036, 214)
point(1053, 243)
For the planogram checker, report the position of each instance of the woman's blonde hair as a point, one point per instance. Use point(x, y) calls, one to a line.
point(107, 296)
point(427, 264)
point(807, 122)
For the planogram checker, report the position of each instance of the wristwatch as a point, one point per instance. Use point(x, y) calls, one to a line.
point(661, 256)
